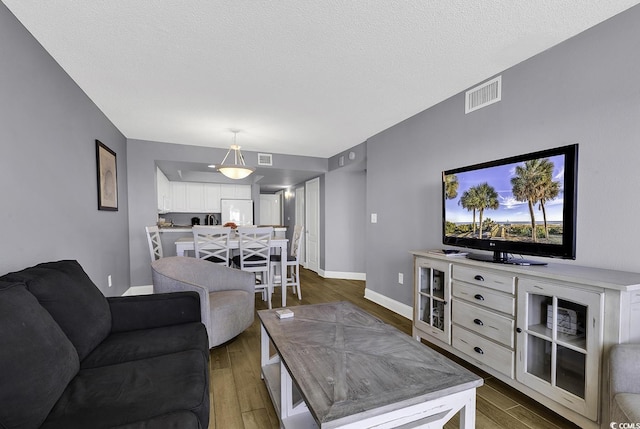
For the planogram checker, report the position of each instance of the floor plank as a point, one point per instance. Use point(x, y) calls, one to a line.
point(240, 400)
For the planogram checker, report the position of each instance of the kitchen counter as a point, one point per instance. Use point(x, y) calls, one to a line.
point(187, 228)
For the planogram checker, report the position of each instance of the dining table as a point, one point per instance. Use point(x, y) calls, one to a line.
point(184, 244)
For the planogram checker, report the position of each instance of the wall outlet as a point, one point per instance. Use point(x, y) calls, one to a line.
point(109, 280)
point(400, 278)
point(374, 218)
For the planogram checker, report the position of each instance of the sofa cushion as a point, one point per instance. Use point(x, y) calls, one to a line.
point(137, 391)
point(74, 302)
point(141, 344)
point(37, 360)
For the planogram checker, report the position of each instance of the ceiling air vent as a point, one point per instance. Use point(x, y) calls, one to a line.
point(265, 159)
point(482, 95)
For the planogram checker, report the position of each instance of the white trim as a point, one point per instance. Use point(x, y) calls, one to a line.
point(139, 290)
point(390, 304)
point(342, 275)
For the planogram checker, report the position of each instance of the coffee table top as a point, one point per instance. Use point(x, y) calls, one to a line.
point(349, 364)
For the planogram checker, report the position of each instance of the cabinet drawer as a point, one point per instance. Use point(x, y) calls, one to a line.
point(495, 326)
point(486, 351)
point(485, 297)
point(490, 279)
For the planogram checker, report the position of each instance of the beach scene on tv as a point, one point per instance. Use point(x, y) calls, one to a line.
point(522, 201)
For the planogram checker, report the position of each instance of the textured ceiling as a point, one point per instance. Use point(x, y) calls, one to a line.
point(298, 77)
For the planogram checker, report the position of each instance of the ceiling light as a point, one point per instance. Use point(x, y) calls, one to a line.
point(237, 170)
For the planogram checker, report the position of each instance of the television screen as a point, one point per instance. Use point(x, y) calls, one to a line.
point(521, 205)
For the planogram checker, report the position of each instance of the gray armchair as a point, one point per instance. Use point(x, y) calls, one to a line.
point(624, 377)
point(227, 295)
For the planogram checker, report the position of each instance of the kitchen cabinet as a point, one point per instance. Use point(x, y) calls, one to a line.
point(195, 197)
point(235, 192)
point(179, 197)
point(211, 198)
point(163, 187)
point(541, 330)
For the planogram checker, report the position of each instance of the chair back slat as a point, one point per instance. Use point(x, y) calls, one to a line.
point(155, 245)
point(212, 243)
point(295, 241)
point(255, 248)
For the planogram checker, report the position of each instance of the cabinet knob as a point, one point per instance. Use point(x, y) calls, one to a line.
point(478, 350)
point(518, 330)
point(479, 278)
point(478, 322)
point(479, 297)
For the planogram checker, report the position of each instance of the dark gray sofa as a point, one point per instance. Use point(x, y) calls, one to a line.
point(71, 358)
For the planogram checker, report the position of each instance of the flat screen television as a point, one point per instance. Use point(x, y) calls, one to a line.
point(522, 205)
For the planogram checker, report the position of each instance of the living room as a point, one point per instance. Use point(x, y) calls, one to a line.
point(584, 90)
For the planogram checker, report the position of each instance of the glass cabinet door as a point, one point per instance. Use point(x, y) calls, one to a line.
point(432, 313)
point(559, 335)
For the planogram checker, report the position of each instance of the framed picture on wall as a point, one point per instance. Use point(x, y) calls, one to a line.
point(107, 178)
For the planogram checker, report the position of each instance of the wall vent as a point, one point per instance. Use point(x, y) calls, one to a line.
point(483, 95)
point(265, 159)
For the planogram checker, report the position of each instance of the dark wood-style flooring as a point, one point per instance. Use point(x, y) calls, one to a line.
point(239, 398)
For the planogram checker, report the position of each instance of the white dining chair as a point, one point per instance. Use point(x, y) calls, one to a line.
point(212, 243)
point(155, 245)
point(254, 244)
point(292, 276)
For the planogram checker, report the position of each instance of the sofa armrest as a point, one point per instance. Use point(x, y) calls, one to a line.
point(624, 368)
point(130, 313)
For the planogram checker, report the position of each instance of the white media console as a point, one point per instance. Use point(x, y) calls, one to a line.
point(544, 330)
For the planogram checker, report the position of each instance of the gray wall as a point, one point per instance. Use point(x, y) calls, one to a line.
point(585, 90)
point(344, 213)
point(142, 156)
point(48, 189)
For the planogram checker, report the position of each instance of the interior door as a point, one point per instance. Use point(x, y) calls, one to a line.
point(312, 220)
point(301, 221)
point(269, 209)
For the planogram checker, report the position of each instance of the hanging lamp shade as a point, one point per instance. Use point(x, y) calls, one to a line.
point(237, 170)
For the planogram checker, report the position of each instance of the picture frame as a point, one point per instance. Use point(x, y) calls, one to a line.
point(107, 169)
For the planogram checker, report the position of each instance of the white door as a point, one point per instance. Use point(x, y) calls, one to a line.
point(300, 221)
point(269, 209)
point(312, 220)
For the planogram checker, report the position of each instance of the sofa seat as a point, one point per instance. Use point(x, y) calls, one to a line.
point(158, 386)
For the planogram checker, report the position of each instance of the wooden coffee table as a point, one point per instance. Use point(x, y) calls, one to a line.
point(336, 366)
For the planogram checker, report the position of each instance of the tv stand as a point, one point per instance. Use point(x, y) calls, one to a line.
point(545, 331)
point(502, 258)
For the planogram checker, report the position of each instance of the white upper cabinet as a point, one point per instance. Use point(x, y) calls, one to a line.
point(164, 192)
point(179, 197)
point(212, 198)
point(189, 197)
point(235, 192)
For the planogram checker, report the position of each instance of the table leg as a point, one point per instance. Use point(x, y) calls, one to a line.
point(283, 273)
point(468, 413)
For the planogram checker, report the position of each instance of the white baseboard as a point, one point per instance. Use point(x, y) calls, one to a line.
point(342, 275)
point(139, 290)
point(390, 304)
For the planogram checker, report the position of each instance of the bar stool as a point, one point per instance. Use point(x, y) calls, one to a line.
point(254, 244)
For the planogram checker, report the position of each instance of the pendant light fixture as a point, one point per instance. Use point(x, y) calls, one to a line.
point(237, 170)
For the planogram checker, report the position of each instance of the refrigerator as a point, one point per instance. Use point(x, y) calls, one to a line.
point(238, 211)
